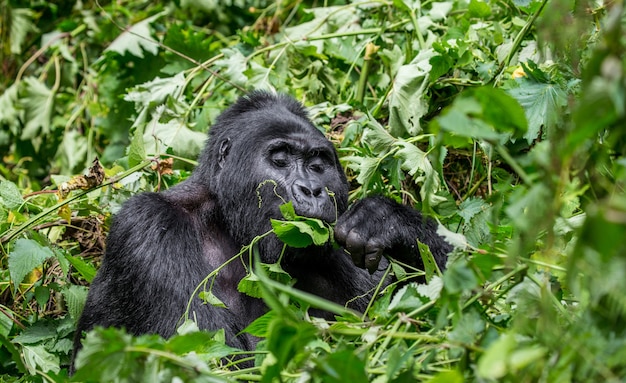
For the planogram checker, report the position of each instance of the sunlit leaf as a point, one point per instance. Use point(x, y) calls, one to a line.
point(301, 233)
point(26, 255)
point(542, 103)
point(10, 195)
point(407, 103)
point(137, 39)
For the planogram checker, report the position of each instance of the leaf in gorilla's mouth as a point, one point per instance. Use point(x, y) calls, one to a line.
point(299, 231)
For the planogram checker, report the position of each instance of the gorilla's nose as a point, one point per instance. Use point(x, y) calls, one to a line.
point(306, 191)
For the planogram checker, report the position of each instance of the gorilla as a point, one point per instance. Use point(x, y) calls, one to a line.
point(162, 245)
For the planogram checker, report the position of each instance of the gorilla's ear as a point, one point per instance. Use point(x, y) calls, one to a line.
point(223, 152)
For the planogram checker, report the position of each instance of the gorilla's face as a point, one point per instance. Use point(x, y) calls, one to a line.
point(304, 169)
point(267, 157)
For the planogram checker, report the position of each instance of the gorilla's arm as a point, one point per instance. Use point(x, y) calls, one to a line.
point(378, 225)
point(153, 262)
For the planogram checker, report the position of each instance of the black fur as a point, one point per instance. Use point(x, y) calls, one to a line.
point(162, 245)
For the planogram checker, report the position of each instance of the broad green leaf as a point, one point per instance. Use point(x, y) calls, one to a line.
point(407, 103)
point(26, 255)
point(74, 146)
point(301, 233)
point(407, 299)
point(342, 366)
point(9, 113)
point(288, 211)
point(440, 10)
point(432, 290)
point(210, 298)
point(175, 134)
point(377, 138)
point(480, 9)
point(85, 269)
point(542, 102)
point(21, 22)
point(249, 285)
point(75, 297)
point(137, 39)
point(417, 164)
point(137, 149)
point(102, 355)
point(470, 207)
point(468, 328)
point(157, 91)
point(493, 363)
point(37, 101)
point(487, 114)
point(184, 343)
point(365, 166)
point(37, 358)
point(430, 266)
point(259, 327)
point(459, 277)
point(451, 376)
point(37, 333)
point(233, 66)
point(6, 323)
point(10, 195)
point(500, 110)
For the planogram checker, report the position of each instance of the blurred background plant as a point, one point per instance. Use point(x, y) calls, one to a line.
point(503, 119)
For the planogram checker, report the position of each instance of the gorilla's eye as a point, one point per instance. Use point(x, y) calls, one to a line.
point(279, 158)
point(317, 165)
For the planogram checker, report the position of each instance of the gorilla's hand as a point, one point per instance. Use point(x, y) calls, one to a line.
point(376, 225)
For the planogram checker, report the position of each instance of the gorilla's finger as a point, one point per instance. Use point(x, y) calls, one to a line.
point(355, 244)
point(372, 259)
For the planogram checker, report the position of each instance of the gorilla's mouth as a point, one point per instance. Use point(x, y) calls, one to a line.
point(324, 211)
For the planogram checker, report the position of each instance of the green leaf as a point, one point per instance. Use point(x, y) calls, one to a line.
point(259, 327)
point(288, 211)
point(480, 9)
point(366, 168)
point(37, 333)
point(484, 113)
point(37, 358)
point(210, 298)
point(233, 66)
point(542, 103)
point(21, 23)
point(342, 366)
point(137, 149)
point(38, 104)
point(407, 103)
point(500, 110)
point(249, 285)
point(430, 266)
point(9, 114)
point(10, 195)
point(137, 39)
point(451, 376)
point(75, 297)
point(174, 134)
point(377, 138)
point(85, 269)
point(25, 257)
point(6, 323)
point(301, 233)
point(459, 277)
point(156, 91)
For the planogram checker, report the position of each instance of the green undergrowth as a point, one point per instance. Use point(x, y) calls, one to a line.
point(504, 120)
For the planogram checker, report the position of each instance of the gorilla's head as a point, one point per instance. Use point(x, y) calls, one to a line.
point(262, 151)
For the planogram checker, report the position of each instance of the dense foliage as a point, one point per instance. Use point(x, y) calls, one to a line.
point(503, 119)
